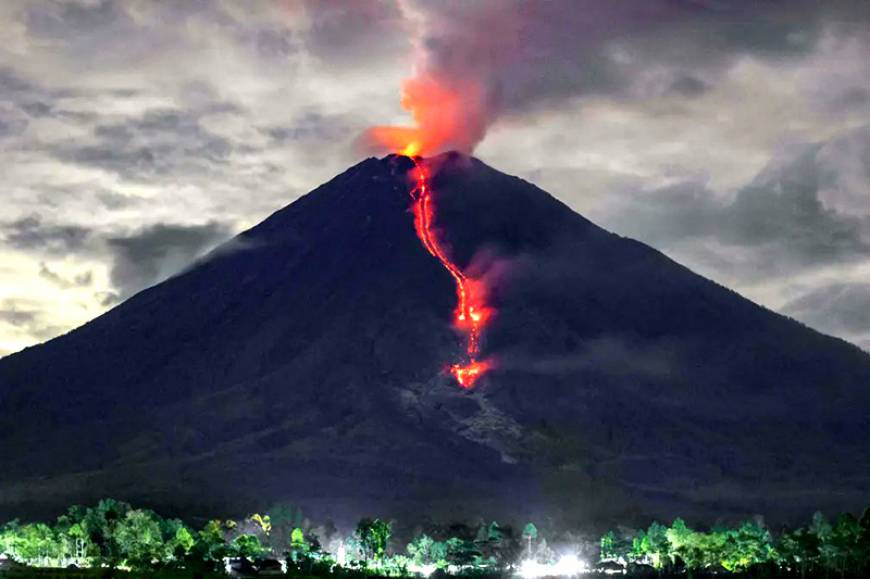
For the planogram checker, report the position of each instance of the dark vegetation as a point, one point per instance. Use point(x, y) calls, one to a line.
point(113, 537)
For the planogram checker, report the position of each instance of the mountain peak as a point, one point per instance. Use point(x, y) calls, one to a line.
point(306, 363)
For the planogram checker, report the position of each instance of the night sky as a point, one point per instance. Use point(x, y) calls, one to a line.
point(137, 135)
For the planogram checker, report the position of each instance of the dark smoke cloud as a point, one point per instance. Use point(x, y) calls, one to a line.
point(511, 57)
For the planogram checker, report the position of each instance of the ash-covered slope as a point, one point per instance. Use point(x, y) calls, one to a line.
point(304, 362)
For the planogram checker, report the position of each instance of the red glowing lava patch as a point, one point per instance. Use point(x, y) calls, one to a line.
point(471, 312)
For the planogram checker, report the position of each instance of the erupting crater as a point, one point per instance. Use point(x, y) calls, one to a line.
point(471, 312)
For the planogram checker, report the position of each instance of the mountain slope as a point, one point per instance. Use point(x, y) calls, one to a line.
point(304, 362)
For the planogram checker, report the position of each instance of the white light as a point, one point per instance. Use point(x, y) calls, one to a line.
point(569, 565)
point(530, 569)
point(424, 570)
point(566, 566)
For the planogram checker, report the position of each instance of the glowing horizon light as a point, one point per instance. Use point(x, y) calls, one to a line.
point(566, 566)
point(424, 570)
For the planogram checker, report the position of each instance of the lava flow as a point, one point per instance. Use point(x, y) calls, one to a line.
point(471, 313)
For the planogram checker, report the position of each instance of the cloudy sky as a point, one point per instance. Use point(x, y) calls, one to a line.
point(136, 135)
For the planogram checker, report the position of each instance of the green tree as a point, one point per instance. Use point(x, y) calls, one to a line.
point(178, 540)
point(9, 539)
point(210, 543)
point(139, 539)
point(36, 544)
point(530, 534)
point(283, 518)
point(799, 549)
point(608, 546)
point(373, 536)
point(424, 550)
point(749, 545)
point(680, 538)
point(659, 547)
point(100, 523)
point(496, 546)
point(299, 547)
point(247, 546)
point(640, 548)
point(844, 545)
point(461, 552)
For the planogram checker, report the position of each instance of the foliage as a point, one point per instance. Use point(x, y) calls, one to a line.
point(372, 536)
point(842, 548)
point(424, 550)
point(114, 534)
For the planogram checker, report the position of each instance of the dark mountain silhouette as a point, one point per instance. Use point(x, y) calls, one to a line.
point(303, 363)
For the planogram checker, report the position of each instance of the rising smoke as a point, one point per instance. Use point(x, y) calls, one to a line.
point(479, 61)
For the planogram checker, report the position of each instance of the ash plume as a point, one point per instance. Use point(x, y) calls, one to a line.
point(479, 62)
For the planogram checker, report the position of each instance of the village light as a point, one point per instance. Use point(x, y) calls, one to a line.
point(567, 566)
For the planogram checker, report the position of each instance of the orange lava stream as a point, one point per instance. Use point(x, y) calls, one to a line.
point(471, 313)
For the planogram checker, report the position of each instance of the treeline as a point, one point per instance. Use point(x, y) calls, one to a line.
point(116, 535)
point(822, 548)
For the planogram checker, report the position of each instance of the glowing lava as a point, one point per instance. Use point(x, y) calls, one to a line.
point(471, 312)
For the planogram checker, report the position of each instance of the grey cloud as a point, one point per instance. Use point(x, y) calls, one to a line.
point(312, 127)
point(20, 100)
point(347, 33)
point(10, 314)
point(113, 200)
point(157, 143)
point(79, 280)
point(613, 355)
point(28, 319)
point(780, 215)
point(107, 298)
point(31, 233)
point(840, 308)
point(536, 53)
point(688, 85)
point(150, 255)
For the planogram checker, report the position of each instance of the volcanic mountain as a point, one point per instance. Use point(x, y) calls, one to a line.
point(304, 362)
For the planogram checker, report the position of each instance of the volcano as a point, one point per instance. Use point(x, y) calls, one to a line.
point(304, 362)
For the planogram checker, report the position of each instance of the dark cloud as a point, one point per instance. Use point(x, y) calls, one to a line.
point(688, 86)
point(150, 255)
point(537, 53)
point(31, 233)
